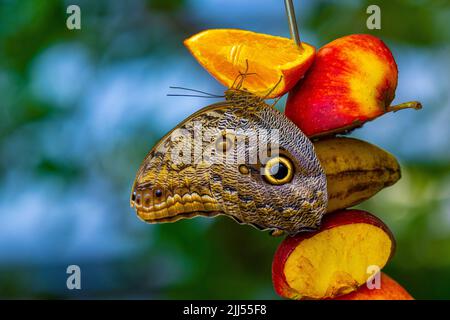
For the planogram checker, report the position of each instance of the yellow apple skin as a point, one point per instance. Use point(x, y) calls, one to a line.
point(352, 80)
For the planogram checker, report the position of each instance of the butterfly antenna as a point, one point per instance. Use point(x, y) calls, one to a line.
point(275, 102)
point(189, 95)
point(271, 90)
point(205, 94)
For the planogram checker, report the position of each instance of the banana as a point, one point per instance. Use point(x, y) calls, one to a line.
point(356, 170)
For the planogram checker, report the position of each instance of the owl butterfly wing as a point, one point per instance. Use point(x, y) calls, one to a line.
point(300, 203)
point(243, 188)
point(213, 163)
point(173, 182)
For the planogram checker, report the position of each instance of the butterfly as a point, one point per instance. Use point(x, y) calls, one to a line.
point(241, 158)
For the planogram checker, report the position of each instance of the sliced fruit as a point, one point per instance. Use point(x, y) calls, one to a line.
point(334, 260)
point(273, 64)
point(389, 290)
point(356, 170)
point(353, 80)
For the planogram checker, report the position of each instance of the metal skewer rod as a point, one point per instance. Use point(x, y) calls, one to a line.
point(293, 28)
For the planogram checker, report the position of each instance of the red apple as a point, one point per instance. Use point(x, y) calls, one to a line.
point(334, 260)
point(352, 80)
point(389, 290)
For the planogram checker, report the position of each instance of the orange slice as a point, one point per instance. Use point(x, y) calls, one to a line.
point(225, 53)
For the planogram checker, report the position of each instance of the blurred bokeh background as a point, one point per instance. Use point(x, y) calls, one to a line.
point(79, 110)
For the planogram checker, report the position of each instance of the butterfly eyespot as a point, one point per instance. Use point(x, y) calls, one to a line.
point(138, 199)
point(243, 169)
point(278, 170)
point(224, 143)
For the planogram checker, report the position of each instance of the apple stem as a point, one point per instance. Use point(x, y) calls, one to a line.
point(405, 105)
point(293, 28)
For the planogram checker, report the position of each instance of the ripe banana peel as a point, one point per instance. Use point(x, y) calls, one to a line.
point(356, 170)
